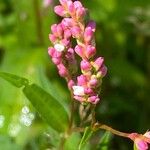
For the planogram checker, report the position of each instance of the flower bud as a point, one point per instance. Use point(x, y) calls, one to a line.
point(81, 80)
point(98, 63)
point(88, 34)
point(94, 99)
point(85, 65)
point(52, 38)
point(80, 51)
point(59, 31)
point(70, 84)
point(62, 70)
point(92, 25)
point(78, 90)
point(59, 10)
point(90, 51)
point(67, 34)
point(76, 31)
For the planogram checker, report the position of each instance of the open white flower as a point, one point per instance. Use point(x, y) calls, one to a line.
point(78, 90)
point(59, 47)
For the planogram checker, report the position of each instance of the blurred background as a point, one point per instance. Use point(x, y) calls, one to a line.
point(123, 38)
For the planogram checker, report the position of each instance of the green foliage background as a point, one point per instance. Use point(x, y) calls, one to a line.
point(123, 38)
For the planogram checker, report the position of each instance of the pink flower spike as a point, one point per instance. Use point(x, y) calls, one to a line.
point(85, 65)
point(59, 10)
point(90, 51)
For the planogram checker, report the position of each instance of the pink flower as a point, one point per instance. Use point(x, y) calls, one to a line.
point(141, 141)
point(85, 65)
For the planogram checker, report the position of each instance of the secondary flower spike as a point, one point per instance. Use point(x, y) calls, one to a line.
point(74, 25)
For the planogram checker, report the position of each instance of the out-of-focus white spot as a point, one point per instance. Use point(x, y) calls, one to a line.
point(14, 129)
point(25, 110)
point(2, 119)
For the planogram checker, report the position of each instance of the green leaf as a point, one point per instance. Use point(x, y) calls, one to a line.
point(87, 134)
point(49, 108)
point(14, 80)
point(104, 141)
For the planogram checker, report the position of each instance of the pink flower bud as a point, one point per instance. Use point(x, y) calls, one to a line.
point(52, 38)
point(56, 61)
point(70, 84)
point(141, 144)
point(71, 7)
point(54, 29)
point(92, 25)
point(88, 34)
point(79, 98)
point(80, 51)
point(77, 4)
point(76, 31)
point(59, 10)
point(85, 65)
point(67, 23)
point(103, 70)
point(93, 82)
point(62, 70)
point(88, 91)
point(90, 51)
point(51, 51)
point(81, 80)
point(80, 13)
point(98, 63)
point(67, 34)
point(94, 99)
point(59, 31)
point(65, 42)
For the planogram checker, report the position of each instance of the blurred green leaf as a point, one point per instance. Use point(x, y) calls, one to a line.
point(104, 141)
point(49, 108)
point(14, 80)
point(87, 134)
point(134, 147)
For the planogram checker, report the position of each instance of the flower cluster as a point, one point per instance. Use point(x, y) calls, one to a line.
point(141, 141)
point(75, 25)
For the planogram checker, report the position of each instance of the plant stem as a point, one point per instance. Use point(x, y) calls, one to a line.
point(107, 128)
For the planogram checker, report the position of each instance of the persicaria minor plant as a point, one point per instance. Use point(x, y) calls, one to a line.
point(75, 24)
point(73, 51)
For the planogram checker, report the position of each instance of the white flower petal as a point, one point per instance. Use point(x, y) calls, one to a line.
point(78, 90)
point(59, 47)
